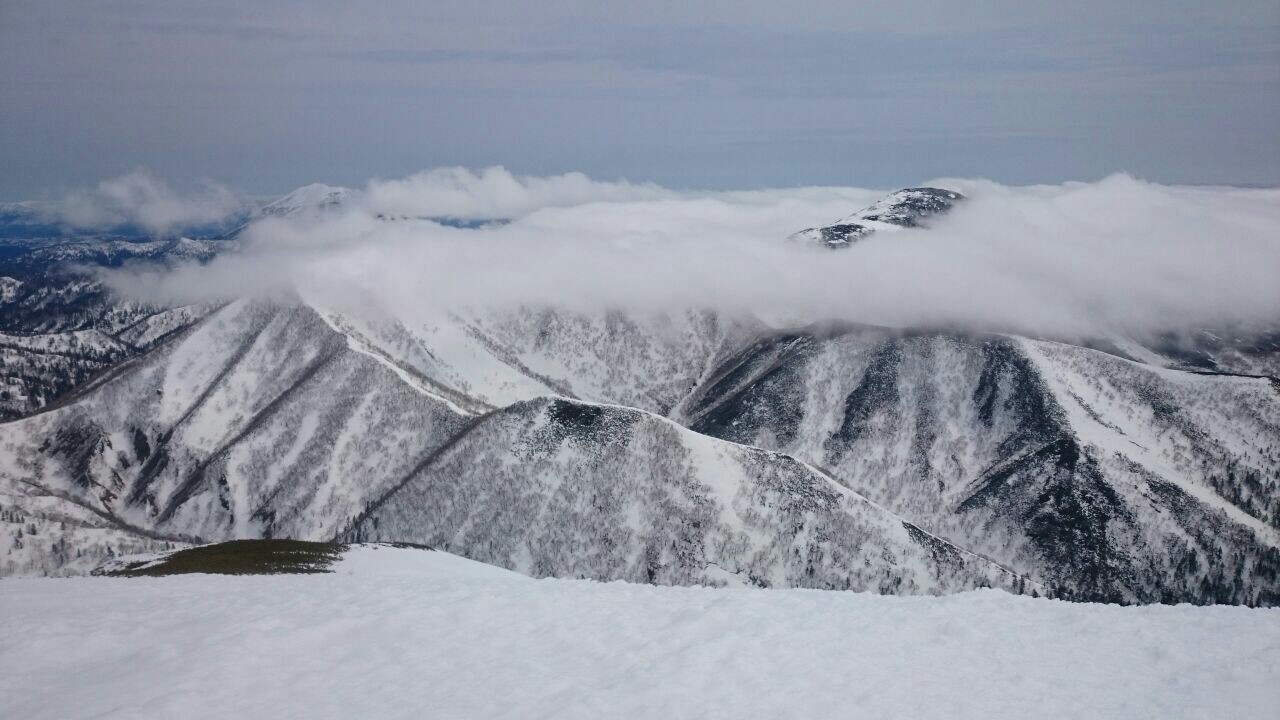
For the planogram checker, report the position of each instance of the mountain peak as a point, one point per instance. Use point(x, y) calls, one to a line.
point(905, 208)
point(316, 196)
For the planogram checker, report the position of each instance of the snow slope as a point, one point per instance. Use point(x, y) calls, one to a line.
point(259, 420)
point(560, 488)
point(410, 634)
point(1104, 478)
point(645, 359)
point(316, 197)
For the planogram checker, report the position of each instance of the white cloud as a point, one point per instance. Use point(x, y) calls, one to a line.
point(495, 193)
point(1075, 259)
point(143, 199)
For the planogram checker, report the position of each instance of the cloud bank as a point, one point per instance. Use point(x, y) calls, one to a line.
point(143, 200)
point(496, 193)
point(1080, 259)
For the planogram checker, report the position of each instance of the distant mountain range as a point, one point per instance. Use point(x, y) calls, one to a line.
point(691, 447)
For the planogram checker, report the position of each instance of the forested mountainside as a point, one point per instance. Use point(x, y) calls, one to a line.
point(687, 447)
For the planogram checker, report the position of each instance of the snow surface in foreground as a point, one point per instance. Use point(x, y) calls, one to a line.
point(406, 633)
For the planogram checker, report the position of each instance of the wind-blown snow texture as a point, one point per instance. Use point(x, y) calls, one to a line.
point(407, 633)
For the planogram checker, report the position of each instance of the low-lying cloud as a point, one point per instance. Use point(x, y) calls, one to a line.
point(1081, 259)
point(495, 193)
point(143, 200)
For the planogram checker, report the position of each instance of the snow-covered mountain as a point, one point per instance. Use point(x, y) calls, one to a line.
point(669, 447)
point(1100, 476)
point(257, 421)
point(59, 325)
point(308, 198)
point(561, 488)
point(253, 422)
point(61, 328)
point(907, 208)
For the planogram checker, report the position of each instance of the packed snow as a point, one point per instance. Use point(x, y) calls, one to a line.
point(411, 633)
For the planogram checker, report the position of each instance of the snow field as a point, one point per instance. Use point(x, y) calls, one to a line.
point(407, 633)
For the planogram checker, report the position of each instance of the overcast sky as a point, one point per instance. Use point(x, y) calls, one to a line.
point(269, 96)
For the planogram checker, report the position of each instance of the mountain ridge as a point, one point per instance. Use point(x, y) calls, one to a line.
point(1084, 471)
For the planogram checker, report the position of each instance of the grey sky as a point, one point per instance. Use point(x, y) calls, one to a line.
point(268, 96)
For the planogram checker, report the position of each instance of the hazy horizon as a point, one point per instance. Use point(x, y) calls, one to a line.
point(725, 95)
point(186, 189)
